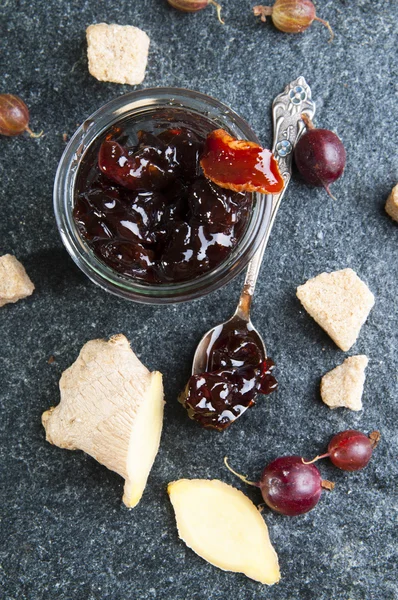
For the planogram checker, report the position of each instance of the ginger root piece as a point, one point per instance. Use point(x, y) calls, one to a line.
point(224, 527)
point(14, 281)
point(343, 386)
point(340, 303)
point(112, 408)
point(392, 203)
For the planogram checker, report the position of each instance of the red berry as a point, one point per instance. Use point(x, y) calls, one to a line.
point(14, 116)
point(290, 486)
point(319, 156)
point(350, 450)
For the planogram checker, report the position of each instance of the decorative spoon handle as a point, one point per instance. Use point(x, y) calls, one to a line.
point(287, 109)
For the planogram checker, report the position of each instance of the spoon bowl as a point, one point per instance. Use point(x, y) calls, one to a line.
point(235, 323)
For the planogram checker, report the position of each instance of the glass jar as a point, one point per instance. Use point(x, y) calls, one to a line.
point(144, 106)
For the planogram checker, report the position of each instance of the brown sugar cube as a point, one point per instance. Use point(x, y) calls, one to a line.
point(392, 203)
point(339, 302)
point(343, 386)
point(117, 53)
point(14, 281)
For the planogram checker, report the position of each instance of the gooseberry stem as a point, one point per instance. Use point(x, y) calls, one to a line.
point(218, 9)
point(327, 188)
point(32, 134)
point(263, 12)
point(242, 477)
point(307, 121)
point(309, 462)
point(374, 438)
point(327, 24)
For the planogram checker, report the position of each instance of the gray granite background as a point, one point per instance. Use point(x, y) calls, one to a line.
point(64, 532)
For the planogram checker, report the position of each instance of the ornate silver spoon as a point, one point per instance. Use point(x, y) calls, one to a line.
point(287, 109)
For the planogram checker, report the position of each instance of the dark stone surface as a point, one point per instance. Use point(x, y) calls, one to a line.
point(64, 533)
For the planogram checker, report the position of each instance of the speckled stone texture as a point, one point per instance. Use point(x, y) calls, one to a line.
point(64, 532)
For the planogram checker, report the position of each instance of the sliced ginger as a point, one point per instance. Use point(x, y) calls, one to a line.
point(224, 527)
point(112, 408)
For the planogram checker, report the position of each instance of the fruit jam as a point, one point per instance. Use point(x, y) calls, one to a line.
point(236, 372)
point(144, 207)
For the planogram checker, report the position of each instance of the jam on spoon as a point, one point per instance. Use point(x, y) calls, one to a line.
point(235, 373)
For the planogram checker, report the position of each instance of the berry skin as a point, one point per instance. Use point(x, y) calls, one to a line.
point(319, 155)
point(350, 450)
point(290, 486)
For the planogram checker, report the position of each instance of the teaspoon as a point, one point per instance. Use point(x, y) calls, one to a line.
point(288, 126)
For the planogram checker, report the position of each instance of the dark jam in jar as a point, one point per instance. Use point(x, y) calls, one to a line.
point(236, 372)
point(146, 210)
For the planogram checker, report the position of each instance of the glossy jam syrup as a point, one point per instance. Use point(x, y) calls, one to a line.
point(145, 208)
point(240, 165)
point(236, 372)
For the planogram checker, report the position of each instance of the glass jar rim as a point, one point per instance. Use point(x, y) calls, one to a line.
point(136, 103)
